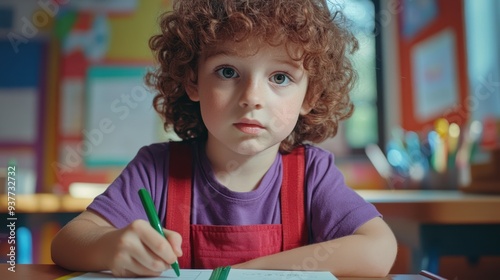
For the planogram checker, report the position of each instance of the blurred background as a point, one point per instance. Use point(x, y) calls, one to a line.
point(74, 109)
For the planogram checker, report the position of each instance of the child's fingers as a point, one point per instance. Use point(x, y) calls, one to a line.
point(140, 242)
point(158, 248)
point(147, 259)
point(175, 240)
point(133, 258)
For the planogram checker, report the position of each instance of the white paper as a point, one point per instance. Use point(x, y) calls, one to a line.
point(234, 274)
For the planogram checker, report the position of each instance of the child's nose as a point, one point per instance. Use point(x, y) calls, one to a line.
point(252, 95)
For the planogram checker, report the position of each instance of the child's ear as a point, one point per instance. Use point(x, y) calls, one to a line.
point(308, 105)
point(309, 102)
point(192, 91)
point(305, 109)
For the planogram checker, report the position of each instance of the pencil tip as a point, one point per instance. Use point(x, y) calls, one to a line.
point(175, 266)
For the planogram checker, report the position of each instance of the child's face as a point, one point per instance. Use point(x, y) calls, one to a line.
point(250, 95)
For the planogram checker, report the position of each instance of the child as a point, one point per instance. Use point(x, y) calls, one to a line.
point(246, 84)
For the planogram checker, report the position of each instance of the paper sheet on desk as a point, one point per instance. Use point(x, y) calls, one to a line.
point(235, 274)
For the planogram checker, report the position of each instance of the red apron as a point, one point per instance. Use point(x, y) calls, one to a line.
point(209, 246)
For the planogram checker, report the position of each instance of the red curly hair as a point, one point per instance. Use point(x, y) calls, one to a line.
point(195, 25)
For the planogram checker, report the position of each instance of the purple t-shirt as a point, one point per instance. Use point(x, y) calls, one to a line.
point(333, 209)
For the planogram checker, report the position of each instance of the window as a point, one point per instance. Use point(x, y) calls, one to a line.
point(365, 125)
point(483, 59)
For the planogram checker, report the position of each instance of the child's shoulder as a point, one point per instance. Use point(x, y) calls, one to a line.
point(316, 152)
point(318, 156)
point(161, 149)
point(153, 148)
point(165, 146)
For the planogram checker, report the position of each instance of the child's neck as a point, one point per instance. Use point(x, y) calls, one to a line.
point(240, 173)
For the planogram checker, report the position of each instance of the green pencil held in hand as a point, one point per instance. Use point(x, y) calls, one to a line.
point(147, 203)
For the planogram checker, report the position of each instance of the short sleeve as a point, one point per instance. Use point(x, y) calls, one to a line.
point(336, 210)
point(120, 204)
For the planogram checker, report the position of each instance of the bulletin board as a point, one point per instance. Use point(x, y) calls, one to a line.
point(22, 111)
point(103, 46)
point(432, 62)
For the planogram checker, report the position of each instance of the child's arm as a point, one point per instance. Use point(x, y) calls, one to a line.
point(369, 252)
point(91, 243)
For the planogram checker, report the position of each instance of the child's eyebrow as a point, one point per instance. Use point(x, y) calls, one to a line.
point(227, 52)
point(291, 62)
point(220, 52)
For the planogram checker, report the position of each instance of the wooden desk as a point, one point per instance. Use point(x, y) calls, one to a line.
point(434, 206)
point(49, 271)
point(45, 203)
point(440, 223)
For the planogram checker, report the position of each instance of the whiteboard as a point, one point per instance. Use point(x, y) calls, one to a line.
point(119, 116)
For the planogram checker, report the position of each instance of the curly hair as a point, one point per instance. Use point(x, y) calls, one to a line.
point(193, 26)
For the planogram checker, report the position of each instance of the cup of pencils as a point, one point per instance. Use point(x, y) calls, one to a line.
point(434, 159)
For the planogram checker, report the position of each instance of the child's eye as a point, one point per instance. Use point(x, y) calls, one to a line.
point(280, 79)
point(227, 73)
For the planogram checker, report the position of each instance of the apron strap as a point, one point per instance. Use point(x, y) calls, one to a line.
point(178, 216)
point(292, 195)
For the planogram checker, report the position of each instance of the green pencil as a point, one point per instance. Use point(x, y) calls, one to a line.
point(147, 203)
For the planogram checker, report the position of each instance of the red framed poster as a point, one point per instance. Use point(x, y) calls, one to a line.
point(432, 62)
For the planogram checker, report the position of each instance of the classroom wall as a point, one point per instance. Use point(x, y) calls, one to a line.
point(76, 54)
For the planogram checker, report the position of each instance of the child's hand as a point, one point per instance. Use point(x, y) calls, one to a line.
point(138, 250)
